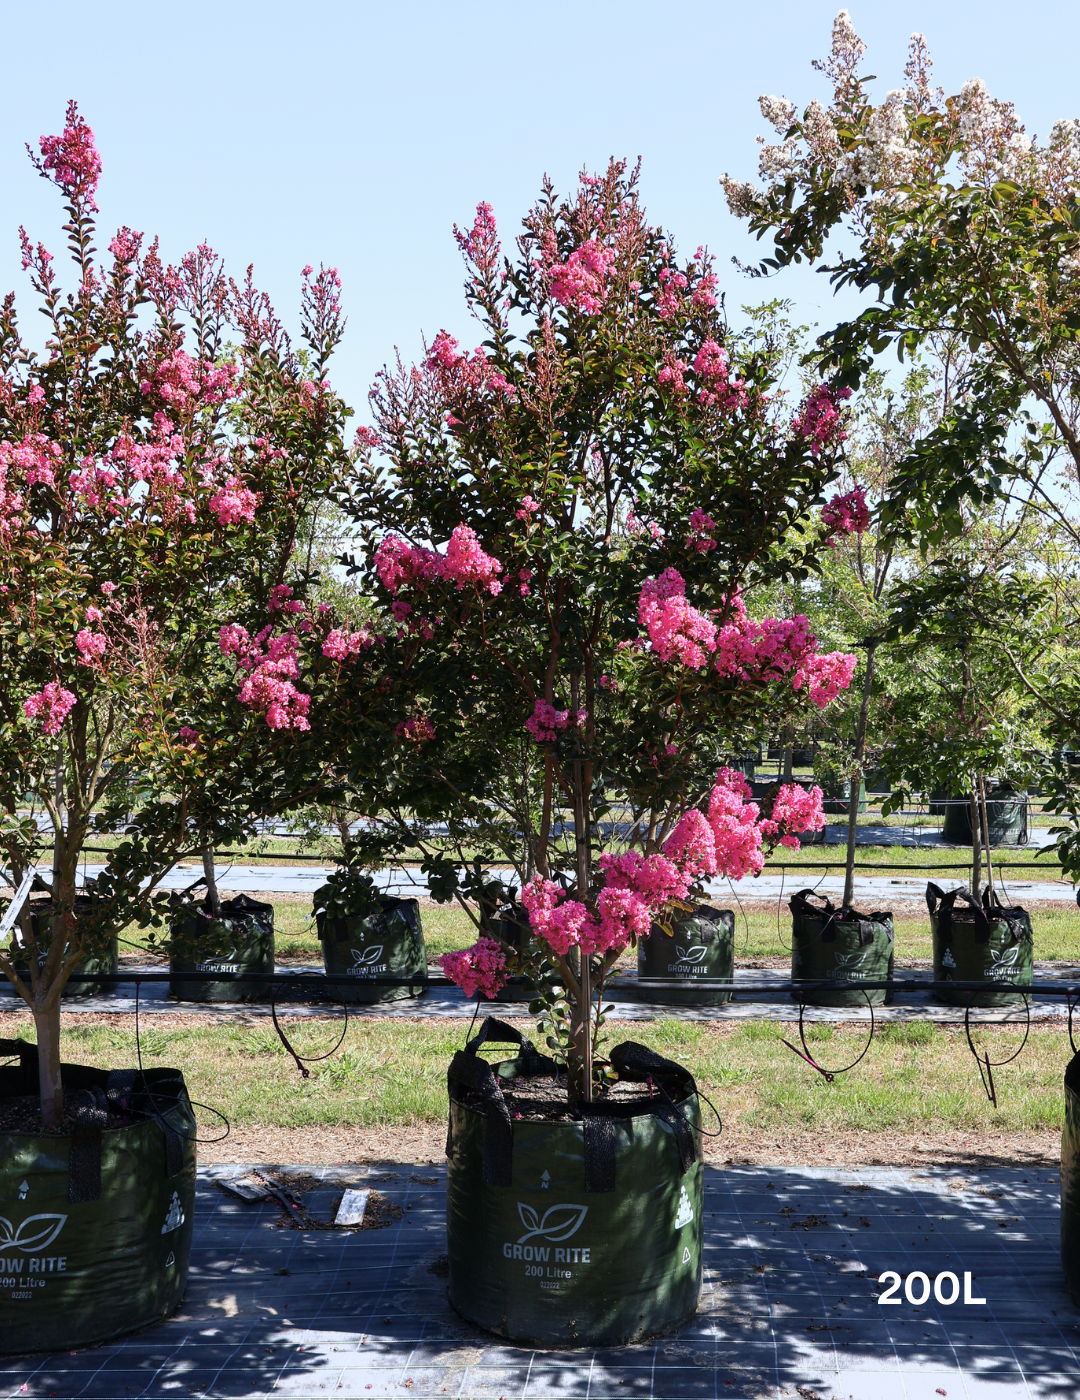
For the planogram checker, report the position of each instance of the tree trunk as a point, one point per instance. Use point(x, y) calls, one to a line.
point(788, 746)
point(976, 846)
point(211, 882)
point(856, 782)
point(984, 822)
point(582, 1029)
point(47, 1024)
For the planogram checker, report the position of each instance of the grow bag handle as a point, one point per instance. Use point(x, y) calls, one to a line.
point(495, 1032)
point(935, 895)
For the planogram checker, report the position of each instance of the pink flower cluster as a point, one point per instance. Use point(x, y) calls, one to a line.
point(345, 646)
point(700, 536)
point(621, 916)
point(31, 462)
point(419, 730)
point(401, 565)
point(51, 706)
point(676, 630)
point(183, 382)
point(271, 666)
point(819, 420)
point(92, 646)
point(846, 515)
point(825, 676)
point(580, 282)
point(794, 809)
point(71, 161)
point(761, 651)
point(481, 968)
point(528, 507)
point(545, 720)
point(235, 502)
point(481, 244)
point(96, 486)
point(718, 384)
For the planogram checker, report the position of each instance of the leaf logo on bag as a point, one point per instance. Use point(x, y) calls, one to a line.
point(693, 954)
point(558, 1223)
point(364, 957)
point(35, 1233)
point(1006, 957)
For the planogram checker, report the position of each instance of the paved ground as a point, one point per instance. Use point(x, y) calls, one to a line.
point(758, 1005)
point(789, 1306)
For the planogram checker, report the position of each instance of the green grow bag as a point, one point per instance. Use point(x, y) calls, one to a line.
point(1006, 816)
point(692, 966)
point(1070, 1181)
point(840, 946)
point(387, 944)
point(979, 943)
point(95, 1222)
point(511, 925)
point(106, 961)
point(581, 1232)
point(249, 925)
point(837, 796)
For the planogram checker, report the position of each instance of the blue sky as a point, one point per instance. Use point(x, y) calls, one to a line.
point(356, 134)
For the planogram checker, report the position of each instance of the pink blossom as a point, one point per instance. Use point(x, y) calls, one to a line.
point(528, 506)
point(417, 731)
point(235, 502)
point(718, 385)
point(671, 375)
point(108, 589)
point(367, 437)
point(692, 845)
point(819, 419)
point(701, 528)
point(233, 639)
point(187, 735)
point(479, 968)
point(545, 720)
point(481, 244)
point(757, 652)
point(71, 161)
point(401, 565)
point(656, 880)
point(93, 614)
point(795, 809)
point(35, 459)
point(561, 926)
point(95, 485)
point(50, 705)
point(183, 383)
point(580, 281)
point(281, 600)
point(36, 395)
point(343, 646)
point(825, 676)
point(847, 514)
point(676, 630)
point(467, 563)
point(91, 646)
point(623, 918)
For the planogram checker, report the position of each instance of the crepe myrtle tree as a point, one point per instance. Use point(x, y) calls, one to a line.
point(155, 460)
point(557, 527)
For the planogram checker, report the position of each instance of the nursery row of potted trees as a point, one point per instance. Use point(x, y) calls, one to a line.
point(547, 650)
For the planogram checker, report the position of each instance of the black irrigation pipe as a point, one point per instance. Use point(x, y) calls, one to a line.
point(612, 991)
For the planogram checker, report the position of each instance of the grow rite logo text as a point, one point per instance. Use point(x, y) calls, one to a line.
point(1003, 963)
point(847, 967)
point(557, 1224)
point(365, 960)
point(30, 1237)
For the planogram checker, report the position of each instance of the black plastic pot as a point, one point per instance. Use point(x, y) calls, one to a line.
point(95, 1223)
point(387, 944)
point(1070, 1181)
point(573, 1233)
point(979, 943)
point(694, 965)
point(1006, 816)
point(248, 925)
point(841, 946)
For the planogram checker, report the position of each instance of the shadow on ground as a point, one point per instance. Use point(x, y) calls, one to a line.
point(790, 1305)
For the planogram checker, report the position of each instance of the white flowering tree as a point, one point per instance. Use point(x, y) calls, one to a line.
point(968, 229)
